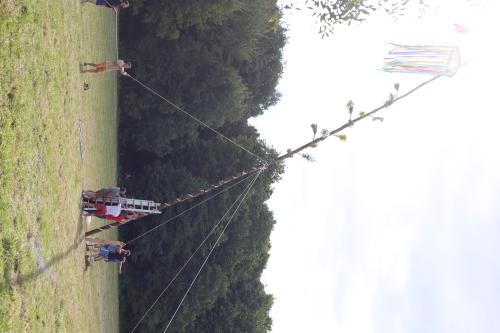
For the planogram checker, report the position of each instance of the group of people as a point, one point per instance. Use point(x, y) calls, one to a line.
point(108, 251)
point(104, 206)
point(107, 206)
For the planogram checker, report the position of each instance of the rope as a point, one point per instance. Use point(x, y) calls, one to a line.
point(194, 118)
point(185, 211)
point(196, 251)
point(116, 28)
point(211, 250)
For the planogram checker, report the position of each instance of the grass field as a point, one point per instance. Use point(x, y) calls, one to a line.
point(44, 116)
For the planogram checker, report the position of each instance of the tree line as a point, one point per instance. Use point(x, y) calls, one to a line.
point(219, 60)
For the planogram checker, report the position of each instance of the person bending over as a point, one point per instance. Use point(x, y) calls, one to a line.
point(124, 217)
point(102, 209)
point(106, 193)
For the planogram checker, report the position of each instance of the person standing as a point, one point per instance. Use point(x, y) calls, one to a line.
point(109, 251)
point(113, 4)
point(108, 66)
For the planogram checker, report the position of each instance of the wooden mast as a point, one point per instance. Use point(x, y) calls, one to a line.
point(289, 154)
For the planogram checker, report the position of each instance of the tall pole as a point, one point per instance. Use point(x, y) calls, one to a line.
point(185, 197)
point(212, 187)
point(289, 154)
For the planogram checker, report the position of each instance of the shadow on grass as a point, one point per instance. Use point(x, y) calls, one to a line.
point(43, 267)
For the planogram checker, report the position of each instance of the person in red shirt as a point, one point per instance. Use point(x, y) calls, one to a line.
point(103, 209)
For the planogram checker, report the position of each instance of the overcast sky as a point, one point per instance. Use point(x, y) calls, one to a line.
point(397, 229)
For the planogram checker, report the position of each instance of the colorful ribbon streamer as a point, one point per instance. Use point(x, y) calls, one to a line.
point(422, 59)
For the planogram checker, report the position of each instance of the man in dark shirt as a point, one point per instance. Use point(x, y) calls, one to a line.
point(110, 251)
point(118, 258)
point(114, 4)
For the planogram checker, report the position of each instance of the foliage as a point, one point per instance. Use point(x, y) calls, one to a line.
point(330, 13)
point(168, 19)
point(220, 61)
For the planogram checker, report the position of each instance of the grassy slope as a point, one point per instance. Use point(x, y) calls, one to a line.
point(42, 107)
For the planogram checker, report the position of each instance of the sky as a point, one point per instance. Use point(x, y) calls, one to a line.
point(397, 229)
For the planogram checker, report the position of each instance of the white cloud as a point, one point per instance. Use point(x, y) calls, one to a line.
point(395, 230)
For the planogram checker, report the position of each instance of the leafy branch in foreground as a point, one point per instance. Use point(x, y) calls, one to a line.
point(329, 13)
point(325, 133)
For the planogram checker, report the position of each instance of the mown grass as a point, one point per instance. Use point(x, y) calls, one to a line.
point(43, 113)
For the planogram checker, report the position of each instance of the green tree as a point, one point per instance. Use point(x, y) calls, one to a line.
point(220, 61)
point(168, 18)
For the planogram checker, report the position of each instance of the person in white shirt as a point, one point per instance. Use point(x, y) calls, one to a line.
point(104, 210)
